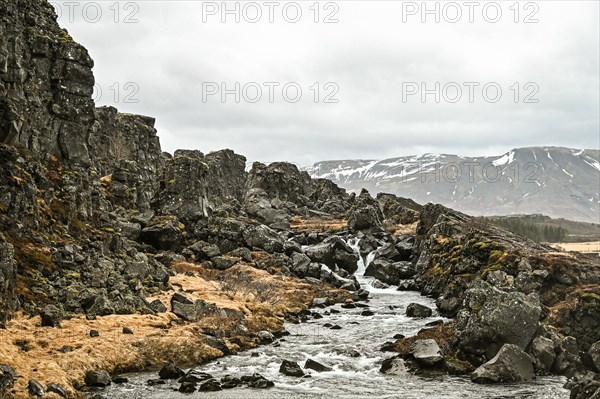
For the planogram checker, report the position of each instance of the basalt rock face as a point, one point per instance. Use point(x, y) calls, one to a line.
point(506, 290)
point(46, 84)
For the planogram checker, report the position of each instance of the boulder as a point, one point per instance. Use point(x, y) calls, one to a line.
point(97, 378)
point(418, 310)
point(390, 273)
point(157, 306)
point(224, 262)
point(211, 385)
point(170, 372)
point(542, 351)
point(316, 366)
point(187, 387)
point(35, 388)
point(163, 233)
point(7, 377)
point(365, 215)
point(204, 251)
point(504, 318)
point(257, 381)
point(394, 366)
point(265, 337)
point(427, 352)
point(291, 369)
point(510, 365)
point(334, 253)
point(263, 237)
point(51, 316)
point(193, 312)
point(57, 389)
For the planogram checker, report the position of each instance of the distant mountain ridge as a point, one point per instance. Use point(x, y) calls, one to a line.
point(555, 181)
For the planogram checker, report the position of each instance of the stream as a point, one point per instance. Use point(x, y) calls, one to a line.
point(352, 377)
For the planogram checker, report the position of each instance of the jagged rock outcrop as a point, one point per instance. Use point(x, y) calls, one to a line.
point(8, 277)
point(510, 365)
point(46, 83)
point(365, 214)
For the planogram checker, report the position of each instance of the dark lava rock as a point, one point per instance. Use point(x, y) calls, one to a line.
point(210, 386)
point(157, 306)
point(7, 377)
point(509, 365)
point(170, 372)
point(187, 387)
point(195, 377)
point(417, 310)
point(336, 327)
point(367, 313)
point(229, 382)
point(57, 389)
point(97, 378)
point(434, 323)
point(155, 381)
point(314, 365)
point(94, 333)
point(35, 388)
point(192, 312)
point(181, 298)
point(127, 330)
point(388, 347)
point(66, 349)
point(399, 336)
point(120, 380)
point(348, 305)
point(291, 369)
point(51, 316)
point(257, 381)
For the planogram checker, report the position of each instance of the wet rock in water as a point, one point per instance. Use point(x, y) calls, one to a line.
point(418, 310)
point(57, 389)
point(51, 316)
point(265, 337)
point(542, 351)
point(320, 302)
point(367, 313)
point(170, 372)
point(35, 388)
point(390, 272)
point(120, 380)
point(211, 385)
point(316, 366)
point(427, 352)
point(155, 381)
point(407, 285)
point(94, 333)
point(509, 365)
point(399, 336)
point(349, 305)
point(257, 381)
point(229, 382)
point(434, 323)
point(195, 377)
point(380, 285)
point(335, 327)
point(291, 369)
point(394, 366)
point(97, 378)
point(187, 387)
point(388, 346)
point(127, 330)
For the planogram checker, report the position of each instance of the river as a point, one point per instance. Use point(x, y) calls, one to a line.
point(352, 377)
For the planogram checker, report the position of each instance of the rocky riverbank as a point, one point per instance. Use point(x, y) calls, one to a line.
point(115, 256)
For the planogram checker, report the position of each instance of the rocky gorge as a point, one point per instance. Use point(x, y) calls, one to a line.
point(116, 257)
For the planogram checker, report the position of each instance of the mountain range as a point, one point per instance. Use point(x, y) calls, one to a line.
point(555, 181)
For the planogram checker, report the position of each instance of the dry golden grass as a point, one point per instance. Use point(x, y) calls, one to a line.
point(317, 225)
point(157, 339)
point(403, 229)
point(585, 247)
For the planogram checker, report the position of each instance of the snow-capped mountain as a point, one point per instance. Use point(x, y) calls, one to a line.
point(554, 181)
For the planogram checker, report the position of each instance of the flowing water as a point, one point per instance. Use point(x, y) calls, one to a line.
point(352, 377)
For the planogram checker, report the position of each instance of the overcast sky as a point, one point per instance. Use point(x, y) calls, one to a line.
point(375, 61)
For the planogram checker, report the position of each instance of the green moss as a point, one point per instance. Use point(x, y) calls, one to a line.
point(454, 260)
point(590, 295)
point(73, 275)
point(496, 255)
point(108, 230)
point(64, 37)
point(40, 259)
